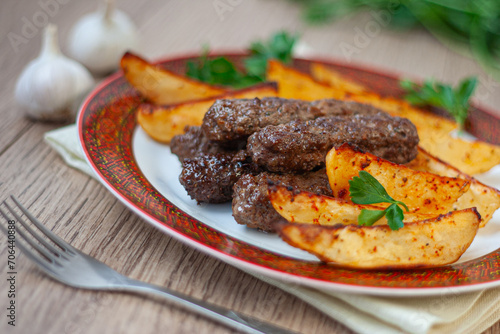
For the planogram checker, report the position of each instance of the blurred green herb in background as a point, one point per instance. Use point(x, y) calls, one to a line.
point(453, 100)
point(466, 26)
point(279, 46)
point(221, 71)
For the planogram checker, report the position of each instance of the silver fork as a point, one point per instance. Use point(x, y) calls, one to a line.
point(70, 266)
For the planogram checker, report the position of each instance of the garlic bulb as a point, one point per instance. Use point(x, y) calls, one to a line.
point(98, 40)
point(49, 84)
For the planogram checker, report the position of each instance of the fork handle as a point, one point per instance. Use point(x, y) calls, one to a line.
point(227, 317)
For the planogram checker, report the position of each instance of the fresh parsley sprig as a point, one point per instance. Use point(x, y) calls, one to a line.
point(365, 189)
point(454, 100)
point(221, 71)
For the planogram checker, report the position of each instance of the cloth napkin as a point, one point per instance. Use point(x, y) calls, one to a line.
point(471, 312)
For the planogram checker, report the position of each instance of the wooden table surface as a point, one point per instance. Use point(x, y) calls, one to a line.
point(84, 213)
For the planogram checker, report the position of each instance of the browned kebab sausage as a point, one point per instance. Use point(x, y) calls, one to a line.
point(301, 146)
point(229, 120)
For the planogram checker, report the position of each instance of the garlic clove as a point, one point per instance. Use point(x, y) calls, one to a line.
point(49, 84)
point(98, 40)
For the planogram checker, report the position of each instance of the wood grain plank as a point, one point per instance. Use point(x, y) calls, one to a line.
point(81, 211)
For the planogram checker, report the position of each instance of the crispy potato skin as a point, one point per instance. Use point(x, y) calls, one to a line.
point(428, 243)
point(422, 192)
point(161, 86)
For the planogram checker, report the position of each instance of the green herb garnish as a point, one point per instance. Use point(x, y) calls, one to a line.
point(453, 100)
point(221, 71)
point(279, 47)
point(365, 189)
point(470, 27)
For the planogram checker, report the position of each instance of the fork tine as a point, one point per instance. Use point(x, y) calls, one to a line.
point(58, 241)
point(42, 263)
point(37, 259)
point(29, 240)
point(51, 248)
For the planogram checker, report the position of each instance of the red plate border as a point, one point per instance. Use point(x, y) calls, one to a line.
point(106, 124)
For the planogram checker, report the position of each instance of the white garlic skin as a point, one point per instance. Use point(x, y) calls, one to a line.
point(99, 40)
point(50, 84)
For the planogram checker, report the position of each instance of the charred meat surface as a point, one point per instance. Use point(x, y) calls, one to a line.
point(193, 143)
point(209, 178)
point(251, 205)
point(301, 146)
point(229, 120)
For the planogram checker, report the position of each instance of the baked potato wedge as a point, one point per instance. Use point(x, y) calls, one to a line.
point(422, 192)
point(293, 84)
point(162, 86)
point(471, 157)
point(435, 132)
point(162, 122)
point(485, 198)
point(433, 242)
point(335, 80)
point(304, 207)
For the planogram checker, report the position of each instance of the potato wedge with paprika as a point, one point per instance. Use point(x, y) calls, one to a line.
point(422, 192)
point(435, 132)
point(162, 123)
point(485, 198)
point(304, 207)
point(427, 243)
point(334, 79)
point(162, 86)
